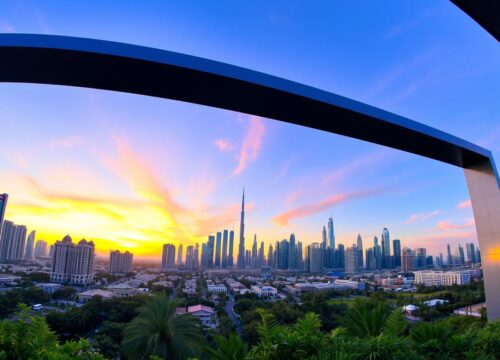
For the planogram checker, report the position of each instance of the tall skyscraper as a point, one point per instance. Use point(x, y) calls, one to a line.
point(352, 260)
point(254, 251)
point(315, 257)
point(12, 242)
point(260, 256)
point(270, 256)
point(73, 263)
point(386, 249)
point(396, 248)
point(377, 252)
point(40, 249)
point(179, 254)
point(190, 257)
point(120, 263)
point(300, 256)
point(168, 257)
point(421, 254)
point(284, 249)
point(292, 253)
point(218, 241)
point(407, 260)
point(29, 252)
point(449, 257)
point(461, 254)
point(241, 250)
point(3, 206)
point(224, 248)
point(230, 261)
point(341, 256)
point(323, 238)
point(478, 256)
point(331, 234)
point(471, 253)
point(359, 245)
point(196, 256)
point(210, 251)
point(370, 263)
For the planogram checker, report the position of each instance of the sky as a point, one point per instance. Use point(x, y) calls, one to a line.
point(133, 172)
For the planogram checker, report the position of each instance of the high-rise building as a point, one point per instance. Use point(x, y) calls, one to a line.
point(3, 206)
point(29, 252)
point(461, 254)
point(352, 260)
point(270, 256)
point(396, 249)
point(120, 263)
point(196, 256)
point(359, 245)
point(190, 257)
point(323, 238)
point(386, 249)
point(248, 258)
point(241, 250)
point(370, 262)
point(260, 256)
point(315, 257)
point(407, 260)
point(331, 234)
point(12, 242)
point(300, 258)
point(421, 260)
point(277, 256)
point(168, 257)
point(224, 248)
point(73, 263)
point(210, 251)
point(218, 240)
point(449, 257)
point(471, 253)
point(478, 256)
point(40, 249)
point(341, 256)
point(254, 251)
point(180, 254)
point(377, 252)
point(230, 261)
point(292, 253)
point(284, 250)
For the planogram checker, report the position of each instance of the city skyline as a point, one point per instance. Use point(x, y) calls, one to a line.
point(132, 173)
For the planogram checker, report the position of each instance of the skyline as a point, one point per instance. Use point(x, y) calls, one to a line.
point(132, 172)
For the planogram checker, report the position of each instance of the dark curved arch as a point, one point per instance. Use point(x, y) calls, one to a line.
point(135, 69)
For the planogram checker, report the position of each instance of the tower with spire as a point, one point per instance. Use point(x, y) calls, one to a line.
point(241, 251)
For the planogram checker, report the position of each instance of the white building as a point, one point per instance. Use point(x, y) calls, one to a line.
point(350, 284)
point(265, 291)
point(442, 278)
point(89, 294)
point(205, 314)
point(217, 289)
point(73, 263)
point(49, 288)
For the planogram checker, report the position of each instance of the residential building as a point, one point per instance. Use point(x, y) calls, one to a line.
point(180, 255)
point(352, 260)
point(230, 261)
point(40, 249)
point(265, 291)
point(408, 260)
point(217, 289)
point(396, 250)
point(120, 263)
point(73, 263)
point(29, 251)
point(442, 278)
point(225, 239)
point(471, 253)
point(218, 241)
point(315, 257)
point(168, 257)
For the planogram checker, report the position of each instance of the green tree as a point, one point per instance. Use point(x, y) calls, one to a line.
point(157, 330)
point(365, 319)
point(228, 348)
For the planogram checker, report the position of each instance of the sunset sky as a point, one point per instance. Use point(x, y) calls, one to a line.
point(133, 172)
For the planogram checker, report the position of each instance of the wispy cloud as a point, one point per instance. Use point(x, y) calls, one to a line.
point(421, 217)
point(284, 218)
point(446, 225)
point(223, 145)
point(69, 141)
point(410, 25)
point(252, 144)
point(466, 204)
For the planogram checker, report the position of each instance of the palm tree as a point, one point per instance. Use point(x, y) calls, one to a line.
point(230, 348)
point(365, 319)
point(158, 330)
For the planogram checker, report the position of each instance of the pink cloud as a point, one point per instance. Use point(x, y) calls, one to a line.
point(466, 204)
point(252, 144)
point(223, 145)
point(421, 217)
point(69, 141)
point(284, 218)
point(446, 225)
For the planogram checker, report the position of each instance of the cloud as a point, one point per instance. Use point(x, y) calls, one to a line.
point(466, 204)
point(69, 141)
point(421, 217)
point(284, 218)
point(251, 144)
point(223, 145)
point(446, 225)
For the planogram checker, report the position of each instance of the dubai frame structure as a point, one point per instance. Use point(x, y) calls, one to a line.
point(58, 60)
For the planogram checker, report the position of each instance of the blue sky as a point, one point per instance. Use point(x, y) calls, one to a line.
point(157, 170)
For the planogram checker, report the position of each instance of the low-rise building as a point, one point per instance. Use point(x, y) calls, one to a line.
point(265, 291)
point(442, 278)
point(205, 314)
point(49, 288)
point(217, 289)
point(89, 294)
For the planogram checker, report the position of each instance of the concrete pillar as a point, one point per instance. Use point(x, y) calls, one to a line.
point(484, 189)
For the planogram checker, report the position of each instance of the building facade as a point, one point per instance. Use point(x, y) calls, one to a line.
point(120, 263)
point(73, 263)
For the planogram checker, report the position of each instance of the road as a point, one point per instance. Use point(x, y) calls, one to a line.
point(232, 315)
